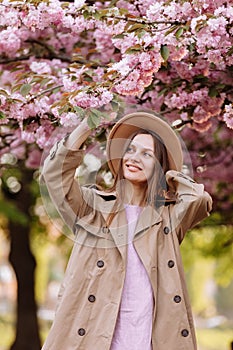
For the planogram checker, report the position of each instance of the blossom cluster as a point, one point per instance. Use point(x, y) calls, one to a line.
point(61, 61)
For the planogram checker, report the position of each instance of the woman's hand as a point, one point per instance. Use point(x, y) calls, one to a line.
point(78, 136)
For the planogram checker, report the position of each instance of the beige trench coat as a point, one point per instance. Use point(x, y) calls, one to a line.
point(90, 294)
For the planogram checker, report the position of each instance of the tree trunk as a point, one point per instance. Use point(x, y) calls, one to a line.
point(24, 264)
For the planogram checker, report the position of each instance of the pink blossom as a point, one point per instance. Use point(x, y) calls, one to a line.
point(228, 116)
point(34, 159)
point(44, 15)
point(105, 97)
point(153, 13)
point(200, 58)
point(177, 54)
point(9, 42)
point(215, 57)
point(129, 41)
point(3, 100)
point(69, 120)
point(43, 105)
point(217, 25)
point(55, 111)
point(103, 39)
point(8, 16)
point(143, 6)
point(98, 74)
point(131, 85)
point(31, 19)
point(213, 104)
point(178, 11)
point(154, 100)
point(145, 60)
point(202, 127)
point(200, 115)
point(40, 67)
point(43, 134)
point(51, 13)
point(69, 84)
point(122, 66)
point(28, 136)
point(127, 5)
point(87, 100)
point(79, 3)
point(81, 24)
point(67, 21)
point(196, 21)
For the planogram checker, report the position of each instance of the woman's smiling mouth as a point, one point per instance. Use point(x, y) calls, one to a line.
point(133, 167)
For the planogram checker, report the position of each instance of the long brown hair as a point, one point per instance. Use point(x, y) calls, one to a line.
point(156, 191)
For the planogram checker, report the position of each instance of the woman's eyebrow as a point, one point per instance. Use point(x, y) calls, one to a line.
point(134, 144)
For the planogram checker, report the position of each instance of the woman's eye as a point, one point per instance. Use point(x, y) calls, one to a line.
point(148, 155)
point(129, 149)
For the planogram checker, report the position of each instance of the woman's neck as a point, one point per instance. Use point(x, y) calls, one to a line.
point(134, 194)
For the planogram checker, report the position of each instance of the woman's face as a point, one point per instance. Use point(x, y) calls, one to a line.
point(139, 159)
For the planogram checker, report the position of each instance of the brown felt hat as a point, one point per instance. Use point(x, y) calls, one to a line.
point(128, 125)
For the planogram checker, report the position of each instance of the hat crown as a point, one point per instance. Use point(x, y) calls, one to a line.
point(128, 125)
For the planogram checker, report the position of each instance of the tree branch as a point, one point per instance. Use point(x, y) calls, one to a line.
point(7, 60)
point(43, 93)
point(50, 51)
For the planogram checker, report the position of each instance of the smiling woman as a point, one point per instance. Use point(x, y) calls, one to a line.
point(144, 164)
point(124, 286)
point(139, 159)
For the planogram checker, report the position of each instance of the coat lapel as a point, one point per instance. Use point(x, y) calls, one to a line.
point(148, 218)
point(119, 226)
point(119, 230)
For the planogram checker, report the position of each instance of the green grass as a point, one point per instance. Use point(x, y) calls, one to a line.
point(214, 339)
point(7, 332)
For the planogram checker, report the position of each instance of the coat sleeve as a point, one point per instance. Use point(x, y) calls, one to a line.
point(193, 202)
point(58, 175)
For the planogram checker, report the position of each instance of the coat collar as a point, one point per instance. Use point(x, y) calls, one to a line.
point(119, 226)
point(118, 229)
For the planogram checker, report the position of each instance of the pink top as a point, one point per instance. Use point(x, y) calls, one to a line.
point(134, 324)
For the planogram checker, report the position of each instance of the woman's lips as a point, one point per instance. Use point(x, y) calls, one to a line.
point(133, 167)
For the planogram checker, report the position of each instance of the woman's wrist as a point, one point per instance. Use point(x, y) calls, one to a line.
point(78, 136)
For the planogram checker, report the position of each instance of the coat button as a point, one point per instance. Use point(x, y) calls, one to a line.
point(105, 229)
point(81, 332)
point(184, 332)
point(166, 230)
point(171, 263)
point(91, 298)
point(100, 263)
point(177, 299)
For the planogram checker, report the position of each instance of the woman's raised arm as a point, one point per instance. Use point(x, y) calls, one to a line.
point(58, 175)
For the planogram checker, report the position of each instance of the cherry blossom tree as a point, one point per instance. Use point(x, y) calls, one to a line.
point(63, 61)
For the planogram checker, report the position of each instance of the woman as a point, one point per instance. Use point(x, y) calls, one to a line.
point(124, 286)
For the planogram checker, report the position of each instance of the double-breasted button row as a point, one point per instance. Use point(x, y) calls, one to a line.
point(177, 298)
point(81, 331)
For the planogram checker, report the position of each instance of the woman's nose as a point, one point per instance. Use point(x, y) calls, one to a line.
point(135, 156)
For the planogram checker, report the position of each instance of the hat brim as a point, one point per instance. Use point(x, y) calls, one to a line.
point(128, 125)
